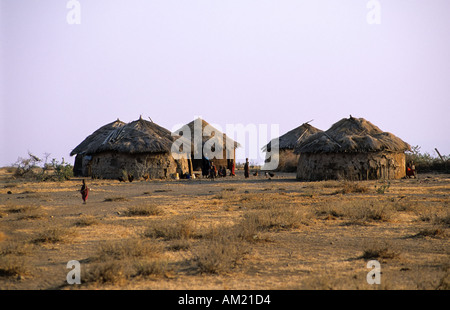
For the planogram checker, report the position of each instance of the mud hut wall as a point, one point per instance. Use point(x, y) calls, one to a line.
point(224, 161)
point(110, 165)
point(288, 161)
point(351, 166)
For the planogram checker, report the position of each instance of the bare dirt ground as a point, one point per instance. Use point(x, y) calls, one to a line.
point(230, 233)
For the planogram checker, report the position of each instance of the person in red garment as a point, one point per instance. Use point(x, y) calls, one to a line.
point(411, 170)
point(84, 192)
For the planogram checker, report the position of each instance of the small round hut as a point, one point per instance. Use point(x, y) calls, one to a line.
point(352, 149)
point(137, 149)
point(81, 166)
point(287, 159)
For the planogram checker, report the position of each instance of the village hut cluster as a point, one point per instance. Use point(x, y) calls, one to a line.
point(351, 149)
point(141, 149)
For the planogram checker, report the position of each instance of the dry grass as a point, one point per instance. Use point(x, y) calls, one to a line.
point(352, 187)
point(55, 235)
point(378, 250)
point(12, 266)
point(87, 220)
point(129, 248)
point(232, 233)
point(116, 199)
point(144, 210)
point(181, 228)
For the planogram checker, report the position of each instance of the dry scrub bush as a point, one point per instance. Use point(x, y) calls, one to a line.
point(357, 212)
point(87, 220)
point(29, 212)
point(124, 249)
point(115, 199)
point(112, 272)
point(144, 210)
point(12, 266)
point(122, 260)
point(54, 235)
point(352, 187)
point(274, 218)
point(15, 248)
point(183, 228)
point(12, 263)
point(151, 268)
point(220, 252)
point(378, 250)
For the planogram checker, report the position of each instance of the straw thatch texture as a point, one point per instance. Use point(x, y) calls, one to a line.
point(139, 136)
point(352, 135)
point(227, 155)
point(287, 159)
point(140, 148)
point(353, 149)
point(97, 137)
point(293, 137)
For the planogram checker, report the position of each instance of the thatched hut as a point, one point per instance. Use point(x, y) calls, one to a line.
point(352, 149)
point(82, 160)
point(201, 141)
point(139, 148)
point(287, 159)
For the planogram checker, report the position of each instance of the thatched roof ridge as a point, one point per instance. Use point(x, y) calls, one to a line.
point(293, 137)
point(352, 135)
point(97, 137)
point(226, 140)
point(139, 136)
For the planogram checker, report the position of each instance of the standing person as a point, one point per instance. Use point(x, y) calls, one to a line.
point(212, 171)
point(231, 166)
point(246, 168)
point(84, 192)
point(206, 166)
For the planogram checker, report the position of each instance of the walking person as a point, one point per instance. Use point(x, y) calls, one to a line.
point(84, 191)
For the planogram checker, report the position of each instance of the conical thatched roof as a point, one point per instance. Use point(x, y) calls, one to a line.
point(293, 137)
point(139, 136)
point(97, 137)
point(226, 140)
point(352, 135)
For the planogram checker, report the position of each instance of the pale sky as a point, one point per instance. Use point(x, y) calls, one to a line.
point(244, 62)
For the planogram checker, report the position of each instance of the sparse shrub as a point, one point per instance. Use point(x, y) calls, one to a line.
point(12, 266)
point(178, 245)
point(382, 188)
point(130, 248)
point(115, 199)
point(111, 272)
point(183, 228)
point(144, 210)
point(273, 218)
point(329, 211)
point(151, 268)
point(54, 235)
point(87, 220)
point(434, 232)
point(15, 248)
point(219, 255)
point(352, 187)
point(378, 250)
point(38, 169)
point(425, 162)
point(29, 212)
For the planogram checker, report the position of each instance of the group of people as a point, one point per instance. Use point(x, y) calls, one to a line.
point(209, 169)
point(214, 172)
